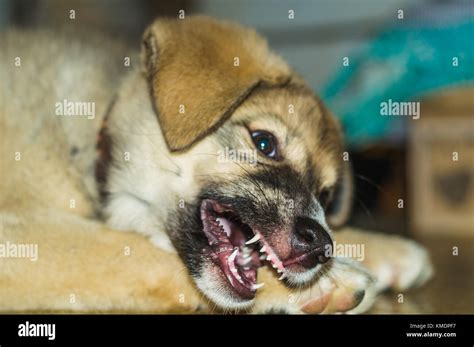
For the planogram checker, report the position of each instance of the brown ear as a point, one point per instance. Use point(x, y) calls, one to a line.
point(200, 70)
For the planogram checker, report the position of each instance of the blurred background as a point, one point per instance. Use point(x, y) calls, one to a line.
point(414, 177)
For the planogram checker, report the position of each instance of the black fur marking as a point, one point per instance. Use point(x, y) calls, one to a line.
point(259, 198)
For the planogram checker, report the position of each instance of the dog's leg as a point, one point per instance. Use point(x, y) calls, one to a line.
point(395, 262)
point(83, 266)
point(343, 286)
point(351, 285)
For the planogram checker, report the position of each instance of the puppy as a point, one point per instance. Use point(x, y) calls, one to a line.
point(210, 147)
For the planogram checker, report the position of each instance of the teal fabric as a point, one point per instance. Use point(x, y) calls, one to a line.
point(402, 64)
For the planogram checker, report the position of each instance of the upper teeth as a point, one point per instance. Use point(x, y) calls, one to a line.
point(270, 255)
point(253, 239)
point(224, 225)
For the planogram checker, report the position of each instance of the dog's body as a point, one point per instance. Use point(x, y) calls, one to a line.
point(162, 179)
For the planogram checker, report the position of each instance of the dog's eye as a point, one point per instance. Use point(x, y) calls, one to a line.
point(266, 143)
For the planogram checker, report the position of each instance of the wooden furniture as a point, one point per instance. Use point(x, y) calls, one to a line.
point(441, 164)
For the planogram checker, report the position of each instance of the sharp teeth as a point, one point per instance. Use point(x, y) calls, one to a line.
point(263, 257)
point(282, 277)
point(279, 271)
point(257, 286)
point(263, 249)
point(274, 266)
point(233, 255)
point(269, 258)
point(253, 239)
point(224, 226)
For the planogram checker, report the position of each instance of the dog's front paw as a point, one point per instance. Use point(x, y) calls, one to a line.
point(346, 287)
point(400, 264)
point(343, 287)
point(395, 262)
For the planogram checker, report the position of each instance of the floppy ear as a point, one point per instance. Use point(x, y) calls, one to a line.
point(340, 207)
point(199, 70)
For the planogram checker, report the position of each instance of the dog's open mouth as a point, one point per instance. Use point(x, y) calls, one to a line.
point(236, 248)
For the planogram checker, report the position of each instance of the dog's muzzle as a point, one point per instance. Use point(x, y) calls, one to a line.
point(310, 244)
point(239, 249)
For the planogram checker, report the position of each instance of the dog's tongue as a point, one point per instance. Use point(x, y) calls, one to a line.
point(241, 279)
point(238, 258)
point(238, 262)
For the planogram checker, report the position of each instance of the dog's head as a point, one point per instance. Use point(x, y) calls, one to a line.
point(243, 168)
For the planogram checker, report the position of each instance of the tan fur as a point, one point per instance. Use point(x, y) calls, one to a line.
point(81, 257)
point(396, 262)
point(208, 95)
point(308, 126)
point(83, 266)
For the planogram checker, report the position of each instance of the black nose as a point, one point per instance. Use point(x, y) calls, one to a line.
point(311, 242)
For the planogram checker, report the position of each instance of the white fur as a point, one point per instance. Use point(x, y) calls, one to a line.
point(303, 277)
point(210, 284)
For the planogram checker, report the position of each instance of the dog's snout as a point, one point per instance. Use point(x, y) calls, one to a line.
point(311, 241)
